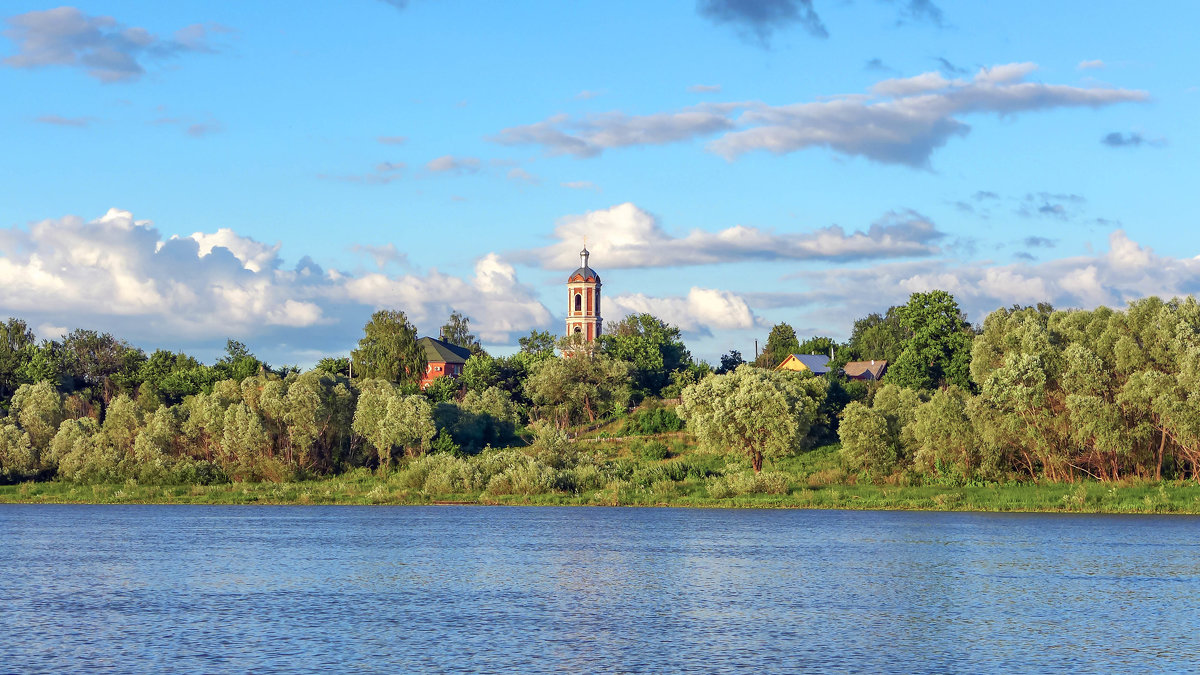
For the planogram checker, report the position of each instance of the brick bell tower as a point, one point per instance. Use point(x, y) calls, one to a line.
point(583, 300)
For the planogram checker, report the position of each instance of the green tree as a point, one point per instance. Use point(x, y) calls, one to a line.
point(93, 358)
point(875, 337)
point(16, 343)
point(480, 372)
point(944, 436)
point(17, 457)
point(457, 331)
point(730, 361)
point(442, 389)
point(539, 344)
point(578, 388)
point(44, 362)
point(389, 349)
point(387, 420)
point(781, 342)
point(938, 349)
point(865, 444)
point(817, 345)
point(654, 348)
point(762, 414)
point(318, 410)
point(39, 409)
point(338, 365)
point(237, 363)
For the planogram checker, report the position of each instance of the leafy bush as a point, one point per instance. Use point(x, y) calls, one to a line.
point(655, 451)
point(766, 482)
point(653, 421)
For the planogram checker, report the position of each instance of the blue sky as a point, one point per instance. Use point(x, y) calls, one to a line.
point(178, 173)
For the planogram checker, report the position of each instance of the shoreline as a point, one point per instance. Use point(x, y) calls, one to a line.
point(1166, 498)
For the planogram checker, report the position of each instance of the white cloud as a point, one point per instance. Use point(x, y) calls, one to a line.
point(254, 256)
point(107, 50)
point(902, 120)
point(1127, 271)
point(497, 304)
point(118, 274)
point(1091, 65)
point(626, 236)
point(590, 136)
point(698, 313)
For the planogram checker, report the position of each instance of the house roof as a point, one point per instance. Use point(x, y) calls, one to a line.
point(817, 363)
point(440, 351)
point(858, 368)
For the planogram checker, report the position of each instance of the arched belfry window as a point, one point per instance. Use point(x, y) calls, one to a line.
point(577, 328)
point(578, 302)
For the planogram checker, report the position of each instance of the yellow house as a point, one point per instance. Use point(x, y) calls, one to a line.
point(818, 364)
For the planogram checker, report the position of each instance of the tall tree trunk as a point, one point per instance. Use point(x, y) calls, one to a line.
point(1162, 444)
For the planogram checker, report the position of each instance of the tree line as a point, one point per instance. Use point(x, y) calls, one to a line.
point(1032, 393)
point(89, 407)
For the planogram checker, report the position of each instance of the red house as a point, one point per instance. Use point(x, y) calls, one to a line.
point(442, 359)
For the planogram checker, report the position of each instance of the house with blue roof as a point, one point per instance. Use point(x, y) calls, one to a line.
point(817, 364)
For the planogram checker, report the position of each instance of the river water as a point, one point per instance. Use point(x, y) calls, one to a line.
point(489, 589)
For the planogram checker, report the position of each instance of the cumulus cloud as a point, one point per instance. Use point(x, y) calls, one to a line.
point(1090, 65)
point(119, 274)
point(900, 121)
point(452, 164)
point(697, 313)
point(625, 236)
point(1127, 271)
point(106, 49)
point(498, 305)
point(757, 20)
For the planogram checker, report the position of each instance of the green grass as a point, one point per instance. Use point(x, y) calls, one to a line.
point(689, 478)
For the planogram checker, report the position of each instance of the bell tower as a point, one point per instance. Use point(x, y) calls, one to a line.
point(583, 300)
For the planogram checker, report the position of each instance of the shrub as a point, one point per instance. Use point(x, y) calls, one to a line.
point(655, 451)
point(653, 421)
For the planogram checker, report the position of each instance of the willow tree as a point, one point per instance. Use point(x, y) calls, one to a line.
point(579, 388)
point(386, 419)
point(759, 413)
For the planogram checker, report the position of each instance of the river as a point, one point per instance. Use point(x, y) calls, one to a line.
point(530, 590)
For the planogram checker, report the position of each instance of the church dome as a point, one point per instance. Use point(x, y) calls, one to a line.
point(584, 272)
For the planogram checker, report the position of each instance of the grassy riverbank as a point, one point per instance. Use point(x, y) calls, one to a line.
point(617, 472)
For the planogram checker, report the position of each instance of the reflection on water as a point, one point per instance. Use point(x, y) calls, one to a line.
point(474, 589)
